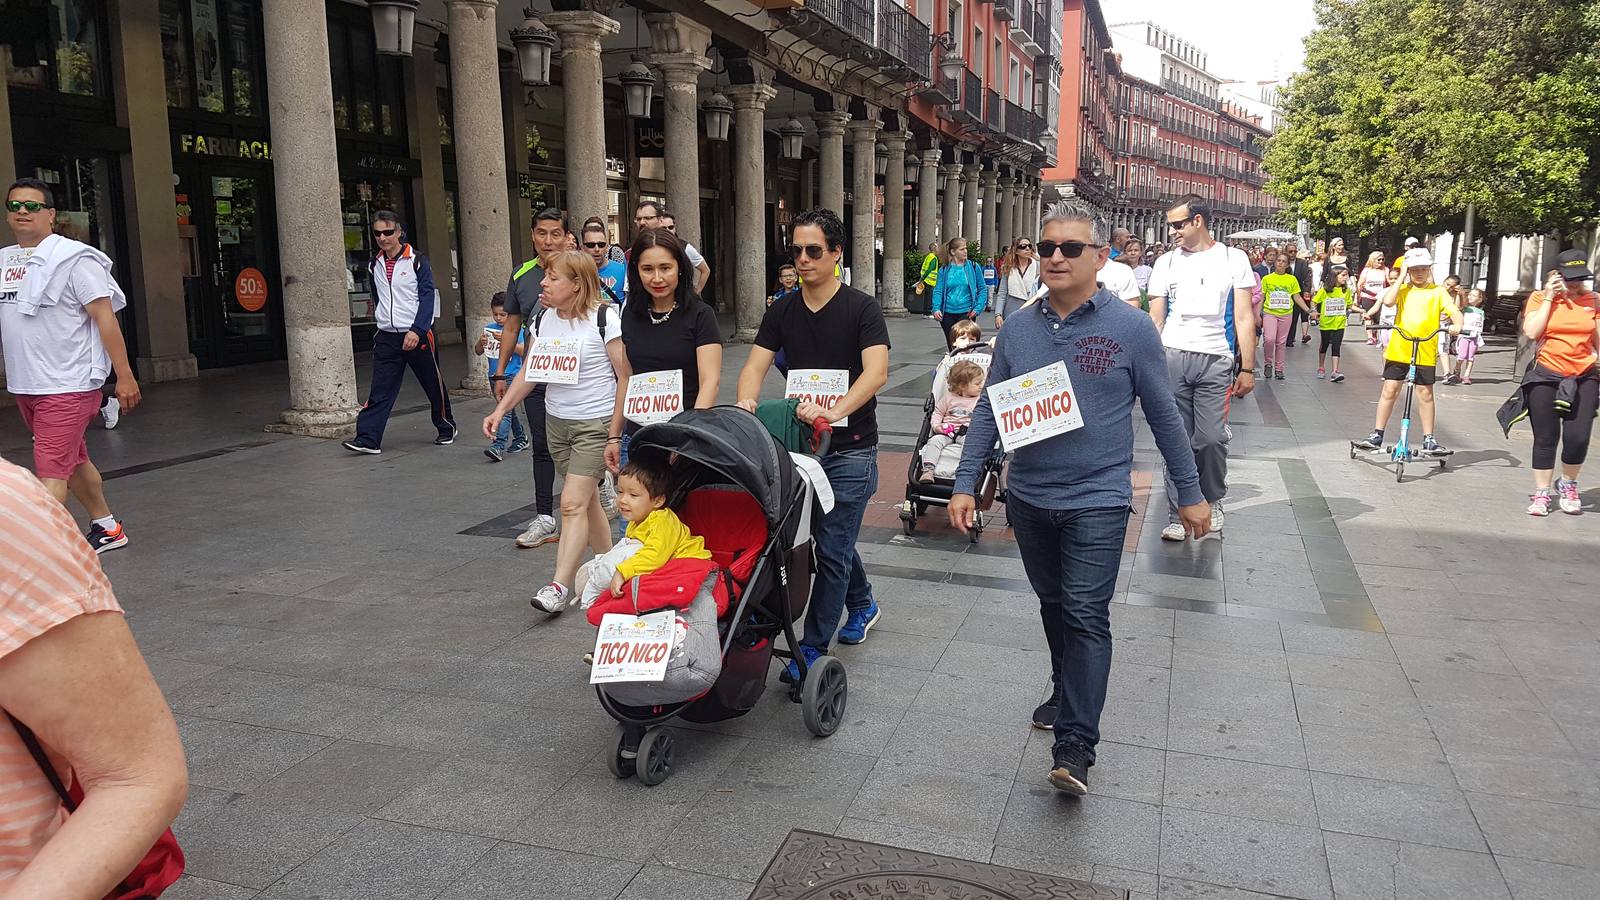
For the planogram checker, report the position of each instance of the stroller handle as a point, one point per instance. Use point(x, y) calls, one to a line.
point(821, 436)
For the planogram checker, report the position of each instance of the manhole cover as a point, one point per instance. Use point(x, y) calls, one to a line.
point(811, 866)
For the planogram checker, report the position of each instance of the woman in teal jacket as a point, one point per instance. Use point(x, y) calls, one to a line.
point(960, 292)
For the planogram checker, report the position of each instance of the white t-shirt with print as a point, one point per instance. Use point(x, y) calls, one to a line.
point(595, 394)
point(1199, 290)
point(58, 350)
point(1119, 279)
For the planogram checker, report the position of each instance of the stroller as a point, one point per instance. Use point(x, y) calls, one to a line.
point(920, 496)
point(741, 492)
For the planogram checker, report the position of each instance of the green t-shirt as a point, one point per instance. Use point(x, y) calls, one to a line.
point(1278, 293)
point(1333, 308)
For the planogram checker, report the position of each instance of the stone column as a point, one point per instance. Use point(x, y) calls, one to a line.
point(893, 290)
point(991, 230)
point(1019, 207)
point(971, 225)
point(678, 44)
point(583, 99)
point(830, 136)
point(1030, 222)
point(928, 200)
point(749, 202)
point(305, 165)
point(1005, 231)
point(864, 211)
point(950, 216)
point(154, 265)
point(483, 219)
point(515, 100)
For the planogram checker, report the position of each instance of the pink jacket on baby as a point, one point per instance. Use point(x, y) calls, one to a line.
point(953, 411)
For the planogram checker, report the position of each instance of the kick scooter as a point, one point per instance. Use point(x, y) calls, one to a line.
point(1402, 452)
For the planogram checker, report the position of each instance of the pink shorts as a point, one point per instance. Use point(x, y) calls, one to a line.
point(1467, 348)
point(58, 422)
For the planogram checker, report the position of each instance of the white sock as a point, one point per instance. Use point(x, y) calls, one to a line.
point(109, 523)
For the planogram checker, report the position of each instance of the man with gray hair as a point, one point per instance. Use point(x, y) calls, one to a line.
point(1070, 492)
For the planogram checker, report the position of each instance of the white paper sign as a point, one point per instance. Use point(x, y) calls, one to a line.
point(824, 387)
point(654, 396)
point(1473, 318)
point(633, 648)
point(13, 268)
point(491, 346)
point(554, 360)
point(1278, 301)
point(1334, 307)
point(1035, 406)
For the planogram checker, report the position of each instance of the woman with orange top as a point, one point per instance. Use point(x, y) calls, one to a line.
point(1562, 387)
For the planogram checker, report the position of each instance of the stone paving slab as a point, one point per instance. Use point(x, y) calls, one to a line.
point(1362, 689)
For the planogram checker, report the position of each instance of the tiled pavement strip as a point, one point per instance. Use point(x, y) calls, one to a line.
point(1364, 690)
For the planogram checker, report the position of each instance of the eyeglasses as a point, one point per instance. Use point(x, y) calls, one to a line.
point(1024, 246)
point(1178, 225)
point(595, 245)
point(672, 228)
point(814, 251)
point(32, 206)
point(385, 232)
point(1069, 249)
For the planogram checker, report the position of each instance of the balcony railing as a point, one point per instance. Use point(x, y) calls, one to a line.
point(1021, 19)
point(1003, 10)
point(1022, 124)
point(992, 115)
point(972, 96)
point(906, 40)
point(1038, 32)
point(1184, 92)
point(852, 19)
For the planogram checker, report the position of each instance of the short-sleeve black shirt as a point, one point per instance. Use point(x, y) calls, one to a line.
point(672, 344)
point(523, 290)
point(831, 338)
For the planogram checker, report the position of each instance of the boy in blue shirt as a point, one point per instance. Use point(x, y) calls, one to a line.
point(489, 342)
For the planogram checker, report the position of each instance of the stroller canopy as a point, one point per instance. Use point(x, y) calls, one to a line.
point(735, 445)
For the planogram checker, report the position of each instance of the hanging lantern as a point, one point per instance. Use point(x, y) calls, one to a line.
point(792, 138)
point(880, 159)
point(950, 65)
point(534, 42)
point(638, 85)
point(719, 116)
point(393, 22)
point(913, 167)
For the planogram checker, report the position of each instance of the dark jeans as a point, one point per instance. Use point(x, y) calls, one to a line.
point(389, 363)
point(544, 468)
point(1071, 558)
point(841, 581)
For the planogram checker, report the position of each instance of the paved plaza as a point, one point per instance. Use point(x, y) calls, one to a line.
point(1364, 690)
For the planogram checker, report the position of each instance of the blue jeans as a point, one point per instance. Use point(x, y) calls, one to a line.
point(841, 582)
point(510, 432)
point(1071, 557)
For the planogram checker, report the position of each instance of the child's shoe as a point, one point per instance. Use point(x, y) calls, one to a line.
point(926, 475)
point(1373, 441)
point(494, 453)
point(518, 446)
point(1266, 371)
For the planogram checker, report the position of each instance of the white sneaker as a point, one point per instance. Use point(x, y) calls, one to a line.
point(608, 496)
point(111, 413)
point(552, 598)
point(1173, 532)
point(542, 531)
point(1216, 517)
point(1570, 502)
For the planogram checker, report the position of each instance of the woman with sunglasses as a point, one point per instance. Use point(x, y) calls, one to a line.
point(960, 292)
point(1021, 281)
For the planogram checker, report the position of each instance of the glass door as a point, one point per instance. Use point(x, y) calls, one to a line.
point(231, 288)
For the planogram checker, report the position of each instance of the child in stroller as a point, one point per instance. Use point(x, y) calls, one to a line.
point(655, 535)
point(967, 347)
point(951, 415)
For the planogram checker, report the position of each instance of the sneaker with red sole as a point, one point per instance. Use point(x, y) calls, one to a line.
point(102, 540)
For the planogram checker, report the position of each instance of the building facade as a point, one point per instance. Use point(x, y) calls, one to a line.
point(235, 191)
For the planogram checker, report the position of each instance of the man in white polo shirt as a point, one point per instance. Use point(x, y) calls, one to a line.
point(1200, 299)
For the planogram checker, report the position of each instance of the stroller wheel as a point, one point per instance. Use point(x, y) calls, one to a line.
point(621, 766)
point(655, 756)
point(909, 526)
point(976, 531)
point(824, 695)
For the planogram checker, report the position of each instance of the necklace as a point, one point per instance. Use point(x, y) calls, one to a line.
point(660, 318)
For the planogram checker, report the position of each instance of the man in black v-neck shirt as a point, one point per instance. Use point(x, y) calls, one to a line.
point(827, 325)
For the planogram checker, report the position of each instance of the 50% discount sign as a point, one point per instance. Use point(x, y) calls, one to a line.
point(1032, 407)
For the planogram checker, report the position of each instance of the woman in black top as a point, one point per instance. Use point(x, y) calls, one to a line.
point(675, 329)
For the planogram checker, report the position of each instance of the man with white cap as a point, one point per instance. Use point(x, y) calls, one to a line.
point(1419, 304)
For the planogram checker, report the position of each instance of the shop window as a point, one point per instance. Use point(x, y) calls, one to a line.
point(367, 88)
point(55, 46)
point(211, 52)
point(244, 37)
point(83, 189)
point(359, 198)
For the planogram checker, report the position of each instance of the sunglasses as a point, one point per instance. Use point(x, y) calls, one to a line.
point(594, 245)
point(32, 206)
point(385, 232)
point(1178, 225)
point(1024, 246)
point(1069, 249)
point(814, 251)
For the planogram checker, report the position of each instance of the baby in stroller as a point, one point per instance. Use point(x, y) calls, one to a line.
point(951, 415)
point(655, 535)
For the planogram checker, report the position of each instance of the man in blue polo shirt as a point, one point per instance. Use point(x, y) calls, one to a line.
point(1070, 494)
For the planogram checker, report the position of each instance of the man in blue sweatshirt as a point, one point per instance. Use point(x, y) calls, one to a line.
point(406, 306)
point(1070, 494)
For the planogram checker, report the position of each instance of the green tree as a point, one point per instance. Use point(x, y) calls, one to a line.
point(1408, 111)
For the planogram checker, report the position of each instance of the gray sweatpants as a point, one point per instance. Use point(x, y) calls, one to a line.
point(1200, 384)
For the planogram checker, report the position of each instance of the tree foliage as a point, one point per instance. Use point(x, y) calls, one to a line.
point(1408, 110)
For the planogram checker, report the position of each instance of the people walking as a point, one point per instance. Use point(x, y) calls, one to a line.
point(576, 351)
point(960, 292)
point(674, 331)
point(1021, 280)
point(511, 438)
point(596, 241)
point(1200, 299)
point(1467, 346)
point(702, 270)
point(61, 340)
point(834, 328)
point(1070, 494)
point(1299, 319)
point(1370, 282)
point(1282, 294)
point(929, 274)
point(405, 309)
point(1418, 304)
point(550, 233)
point(1332, 305)
point(1561, 390)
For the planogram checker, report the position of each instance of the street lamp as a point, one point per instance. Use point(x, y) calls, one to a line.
point(638, 84)
point(792, 137)
point(913, 168)
point(719, 115)
point(880, 159)
point(392, 23)
point(534, 42)
point(950, 62)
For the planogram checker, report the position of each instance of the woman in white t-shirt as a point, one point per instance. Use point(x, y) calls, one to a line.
point(574, 349)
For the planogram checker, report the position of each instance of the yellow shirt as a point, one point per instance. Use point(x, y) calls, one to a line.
point(665, 538)
point(1418, 312)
